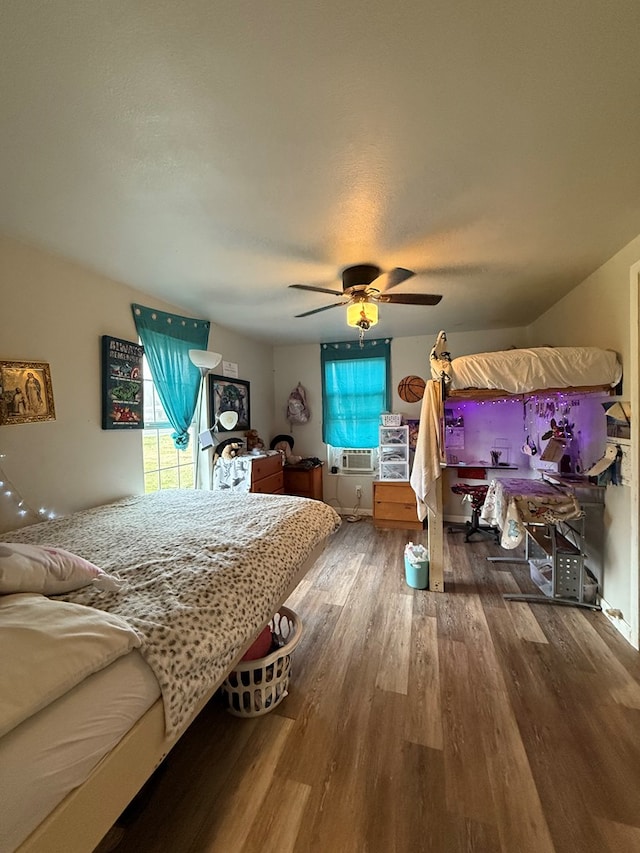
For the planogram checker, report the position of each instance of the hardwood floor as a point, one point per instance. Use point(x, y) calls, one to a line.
point(417, 721)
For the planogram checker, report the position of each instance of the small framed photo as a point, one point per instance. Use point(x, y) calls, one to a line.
point(26, 393)
point(229, 395)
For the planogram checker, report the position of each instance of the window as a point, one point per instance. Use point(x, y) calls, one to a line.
point(165, 467)
point(356, 388)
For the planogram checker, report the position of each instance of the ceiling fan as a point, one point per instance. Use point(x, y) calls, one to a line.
point(364, 285)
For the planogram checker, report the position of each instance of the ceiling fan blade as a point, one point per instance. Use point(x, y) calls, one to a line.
point(317, 310)
point(316, 289)
point(410, 298)
point(386, 280)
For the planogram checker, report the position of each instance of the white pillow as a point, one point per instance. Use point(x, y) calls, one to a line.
point(48, 570)
point(48, 647)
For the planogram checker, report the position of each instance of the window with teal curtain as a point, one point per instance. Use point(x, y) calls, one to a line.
point(356, 389)
point(167, 339)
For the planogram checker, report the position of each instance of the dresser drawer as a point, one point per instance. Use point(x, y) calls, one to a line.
point(269, 485)
point(397, 511)
point(393, 492)
point(265, 466)
point(394, 505)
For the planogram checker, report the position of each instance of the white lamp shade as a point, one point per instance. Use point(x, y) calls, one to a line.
point(204, 359)
point(228, 419)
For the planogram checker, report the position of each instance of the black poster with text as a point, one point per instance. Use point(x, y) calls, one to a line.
point(122, 387)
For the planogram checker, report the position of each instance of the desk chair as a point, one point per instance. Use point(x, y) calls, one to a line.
point(476, 496)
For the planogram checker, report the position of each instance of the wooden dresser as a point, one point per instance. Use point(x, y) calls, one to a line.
point(394, 505)
point(305, 482)
point(266, 475)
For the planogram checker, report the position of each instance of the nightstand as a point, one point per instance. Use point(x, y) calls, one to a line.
point(305, 482)
point(394, 505)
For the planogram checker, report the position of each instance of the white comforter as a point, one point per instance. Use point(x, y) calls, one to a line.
point(204, 572)
point(521, 370)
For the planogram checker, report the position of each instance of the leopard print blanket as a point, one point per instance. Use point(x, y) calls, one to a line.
point(204, 572)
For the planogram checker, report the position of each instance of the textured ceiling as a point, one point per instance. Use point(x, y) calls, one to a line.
point(213, 153)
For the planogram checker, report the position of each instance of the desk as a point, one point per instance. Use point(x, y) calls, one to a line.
point(551, 517)
point(512, 503)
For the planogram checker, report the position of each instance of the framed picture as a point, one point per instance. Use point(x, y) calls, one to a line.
point(618, 420)
point(26, 394)
point(122, 386)
point(229, 395)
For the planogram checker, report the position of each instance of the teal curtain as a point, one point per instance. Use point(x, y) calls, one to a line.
point(167, 339)
point(356, 389)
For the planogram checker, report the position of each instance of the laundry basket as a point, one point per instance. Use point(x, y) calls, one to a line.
point(256, 687)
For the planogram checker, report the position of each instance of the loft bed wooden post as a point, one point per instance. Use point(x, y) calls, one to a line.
point(436, 542)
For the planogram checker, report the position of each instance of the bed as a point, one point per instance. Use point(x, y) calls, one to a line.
point(502, 374)
point(187, 580)
point(524, 371)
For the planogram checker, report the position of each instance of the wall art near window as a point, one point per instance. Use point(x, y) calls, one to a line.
point(26, 394)
point(229, 395)
point(122, 386)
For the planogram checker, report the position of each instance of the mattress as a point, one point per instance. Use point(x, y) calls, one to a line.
point(519, 371)
point(51, 753)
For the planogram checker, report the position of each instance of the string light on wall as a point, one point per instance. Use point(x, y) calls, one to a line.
point(22, 508)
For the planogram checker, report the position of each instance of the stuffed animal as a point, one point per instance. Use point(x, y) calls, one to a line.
point(284, 445)
point(254, 442)
point(231, 450)
point(228, 449)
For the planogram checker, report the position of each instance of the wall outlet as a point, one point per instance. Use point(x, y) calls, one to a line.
point(358, 491)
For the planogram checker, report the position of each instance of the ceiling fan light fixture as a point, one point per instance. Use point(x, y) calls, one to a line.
point(362, 315)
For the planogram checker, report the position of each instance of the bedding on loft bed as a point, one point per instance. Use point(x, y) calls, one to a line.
point(200, 574)
point(507, 372)
point(522, 371)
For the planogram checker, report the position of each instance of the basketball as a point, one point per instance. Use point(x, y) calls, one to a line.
point(411, 389)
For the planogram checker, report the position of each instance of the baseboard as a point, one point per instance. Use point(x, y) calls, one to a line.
point(618, 621)
point(344, 511)
point(456, 519)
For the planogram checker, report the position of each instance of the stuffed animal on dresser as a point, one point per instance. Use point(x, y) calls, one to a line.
point(284, 445)
point(254, 442)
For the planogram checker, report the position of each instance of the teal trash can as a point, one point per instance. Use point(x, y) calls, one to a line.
point(416, 574)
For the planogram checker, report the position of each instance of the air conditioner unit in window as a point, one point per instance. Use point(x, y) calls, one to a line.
point(357, 461)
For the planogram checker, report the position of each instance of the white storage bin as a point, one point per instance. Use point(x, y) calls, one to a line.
point(590, 587)
point(390, 419)
point(541, 572)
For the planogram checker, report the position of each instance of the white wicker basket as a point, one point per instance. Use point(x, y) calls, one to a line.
point(390, 419)
point(256, 687)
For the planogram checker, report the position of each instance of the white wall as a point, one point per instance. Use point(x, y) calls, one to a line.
point(56, 311)
point(597, 313)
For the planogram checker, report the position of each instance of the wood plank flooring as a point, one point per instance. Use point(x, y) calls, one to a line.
point(416, 721)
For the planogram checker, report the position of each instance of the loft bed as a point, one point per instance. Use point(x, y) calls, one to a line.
point(178, 586)
point(529, 371)
point(497, 375)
